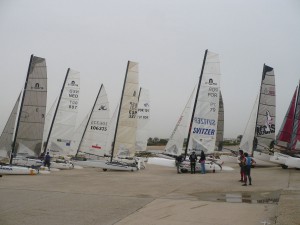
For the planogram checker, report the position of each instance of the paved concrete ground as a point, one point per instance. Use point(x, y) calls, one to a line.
point(153, 196)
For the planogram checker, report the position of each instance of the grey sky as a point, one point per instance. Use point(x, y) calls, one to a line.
point(168, 39)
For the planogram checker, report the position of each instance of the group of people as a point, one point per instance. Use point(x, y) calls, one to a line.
point(245, 162)
point(193, 160)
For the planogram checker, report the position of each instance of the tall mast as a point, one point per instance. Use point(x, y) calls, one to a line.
point(19, 116)
point(114, 142)
point(88, 120)
point(195, 103)
point(61, 92)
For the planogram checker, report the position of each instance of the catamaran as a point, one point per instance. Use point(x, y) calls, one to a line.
point(124, 142)
point(22, 136)
point(59, 139)
point(288, 138)
point(93, 142)
point(200, 122)
point(259, 135)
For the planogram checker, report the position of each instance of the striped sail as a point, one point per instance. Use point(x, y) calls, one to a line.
point(266, 114)
point(6, 137)
point(125, 137)
point(175, 143)
point(220, 127)
point(30, 126)
point(295, 138)
point(95, 135)
point(204, 126)
point(143, 117)
point(62, 129)
point(285, 133)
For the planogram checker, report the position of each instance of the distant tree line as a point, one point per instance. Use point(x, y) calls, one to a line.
point(157, 141)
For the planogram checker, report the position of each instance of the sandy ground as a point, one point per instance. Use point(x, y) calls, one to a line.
point(154, 196)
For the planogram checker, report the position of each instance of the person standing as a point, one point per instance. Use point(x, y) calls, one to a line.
point(47, 160)
point(202, 162)
point(193, 160)
point(241, 162)
point(248, 162)
point(178, 161)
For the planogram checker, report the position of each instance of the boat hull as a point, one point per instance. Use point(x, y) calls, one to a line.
point(16, 170)
point(262, 159)
point(293, 162)
point(117, 166)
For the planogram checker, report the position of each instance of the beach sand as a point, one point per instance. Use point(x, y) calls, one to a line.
point(154, 196)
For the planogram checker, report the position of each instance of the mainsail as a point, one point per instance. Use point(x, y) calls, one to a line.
point(175, 143)
point(295, 139)
point(8, 132)
point(30, 125)
point(202, 135)
point(94, 138)
point(63, 124)
point(220, 127)
point(284, 135)
point(125, 134)
point(266, 114)
point(143, 117)
point(112, 130)
point(246, 143)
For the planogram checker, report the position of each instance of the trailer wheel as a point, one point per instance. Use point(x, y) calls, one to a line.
point(104, 170)
point(183, 170)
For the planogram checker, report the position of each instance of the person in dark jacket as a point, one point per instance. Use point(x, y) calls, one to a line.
point(47, 160)
point(242, 168)
point(193, 160)
point(178, 161)
point(202, 162)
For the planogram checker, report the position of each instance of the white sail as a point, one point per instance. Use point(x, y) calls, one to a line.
point(79, 133)
point(204, 125)
point(63, 125)
point(143, 117)
point(124, 144)
point(112, 130)
point(95, 136)
point(48, 121)
point(266, 115)
point(30, 125)
point(6, 137)
point(246, 143)
point(220, 127)
point(175, 142)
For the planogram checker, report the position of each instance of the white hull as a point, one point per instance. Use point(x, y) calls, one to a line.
point(89, 163)
point(27, 162)
point(262, 159)
point(209, 167)
point(16, 170)
point(279, 158)
point(61, 165)
point(117, 166)
point(161, 161)
point(293, 162)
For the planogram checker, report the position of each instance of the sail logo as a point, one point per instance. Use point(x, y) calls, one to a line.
point(102, 107)
point(146, 104)
point(73, 84)
point(68, 142)
point(268, 127)
point(37, 87)
point(210, 82)
point(96, 146)
point(269, 91)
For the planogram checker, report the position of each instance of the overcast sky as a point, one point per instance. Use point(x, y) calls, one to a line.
point(166, 37)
